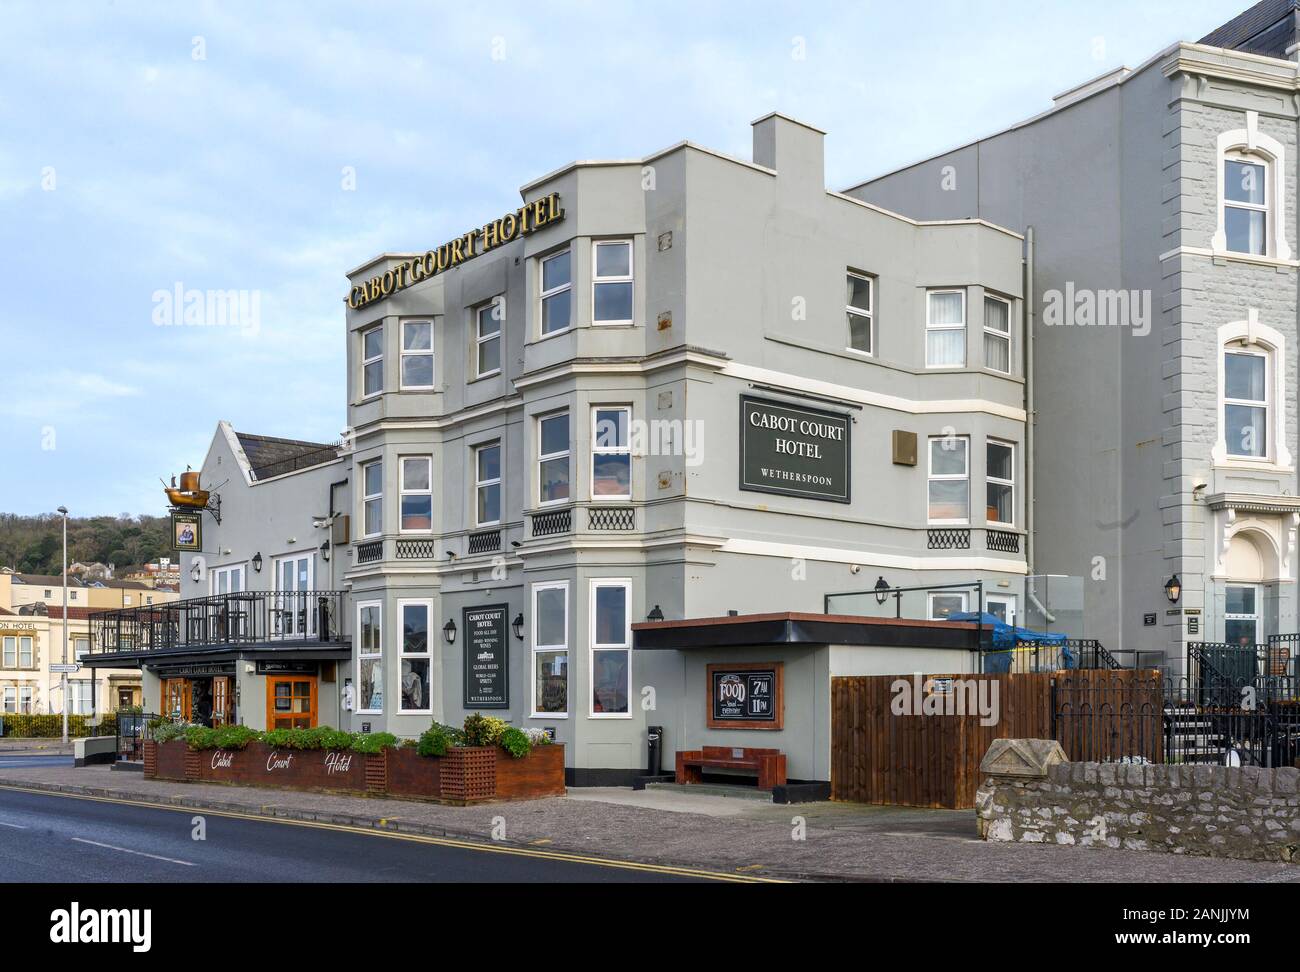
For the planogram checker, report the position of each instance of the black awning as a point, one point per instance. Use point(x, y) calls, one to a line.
point(297, 651)
point(811, 630)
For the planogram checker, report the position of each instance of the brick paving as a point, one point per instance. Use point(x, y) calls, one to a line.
point(843, 841)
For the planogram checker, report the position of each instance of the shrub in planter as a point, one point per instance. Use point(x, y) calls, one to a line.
point(165, 731)
point(515, 742)
point(436, 740)
point(481, 730)
point(220, 737)
point(373, 742)
point(319, 737)
point(537, 737)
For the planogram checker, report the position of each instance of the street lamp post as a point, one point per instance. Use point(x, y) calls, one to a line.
point(64, 676)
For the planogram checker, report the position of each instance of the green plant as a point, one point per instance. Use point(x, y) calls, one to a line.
point(164, 730)
point(220, 737)
point(515, 742)
point(481, 730)
point(436, 740)
point(373, 742)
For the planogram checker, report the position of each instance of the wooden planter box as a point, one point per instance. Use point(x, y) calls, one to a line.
point(465, 775)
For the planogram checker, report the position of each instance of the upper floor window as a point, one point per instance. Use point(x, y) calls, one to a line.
point(1000, 477)
point(611, 454)
point(372, 498)
point(18, 652)
point(997, 334)
point(945, 329)
point(858, 311)
point(557, 293)
point(1245, 203)
point(417, 354)
point(611, 287)
point(487, 484)
point(372, 361)
point(1245, 404)
point(949, 482)
point(487, 337)
point(416, 488)
point(553, 458)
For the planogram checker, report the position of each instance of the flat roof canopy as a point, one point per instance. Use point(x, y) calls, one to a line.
point(792, 628)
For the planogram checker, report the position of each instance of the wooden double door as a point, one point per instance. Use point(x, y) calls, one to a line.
point(207, 701)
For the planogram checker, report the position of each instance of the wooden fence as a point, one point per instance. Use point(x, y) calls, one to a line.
point(918, 740)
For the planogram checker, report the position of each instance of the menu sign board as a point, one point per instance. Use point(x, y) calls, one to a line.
point(794, 450)
point(487, 657)
point(746, 696)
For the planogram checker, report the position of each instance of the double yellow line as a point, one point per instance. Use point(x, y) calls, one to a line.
point(548, 855)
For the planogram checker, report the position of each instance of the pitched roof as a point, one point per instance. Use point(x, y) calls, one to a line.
point(48, 580)
point(1268, 28)
point(75, 614)
point(270, 456)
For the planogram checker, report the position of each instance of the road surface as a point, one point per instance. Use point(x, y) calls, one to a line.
point(51, 837)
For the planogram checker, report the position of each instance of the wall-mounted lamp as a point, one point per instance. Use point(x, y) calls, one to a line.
point(451, 555)
point(882, 589)
point(1173, 589)
point(325, 551)
point(656, 614)
point(257, 562)
point(518, 625)
point(449, 632)
point(196, 571)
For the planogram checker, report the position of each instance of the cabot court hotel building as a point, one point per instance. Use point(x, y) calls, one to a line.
point(679, 387)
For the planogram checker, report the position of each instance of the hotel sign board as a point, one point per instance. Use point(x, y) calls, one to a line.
point(794, 450)
point(487, 657)
point(749, 696)
point(187, 531)
point(525, 220)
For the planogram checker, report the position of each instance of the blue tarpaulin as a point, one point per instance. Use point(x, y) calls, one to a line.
point(1009, 638)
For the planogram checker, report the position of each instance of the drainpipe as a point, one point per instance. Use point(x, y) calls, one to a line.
point(1030, 419)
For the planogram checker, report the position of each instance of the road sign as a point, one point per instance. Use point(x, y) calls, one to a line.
point(69, 668)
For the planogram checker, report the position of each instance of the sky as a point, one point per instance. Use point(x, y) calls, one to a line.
point(267, 149)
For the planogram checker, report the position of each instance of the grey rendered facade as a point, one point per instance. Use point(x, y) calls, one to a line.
point(738, 279)
point(1138, 473)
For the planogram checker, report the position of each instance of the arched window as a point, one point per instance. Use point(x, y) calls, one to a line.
point(1251, 204)
point(1252, 394)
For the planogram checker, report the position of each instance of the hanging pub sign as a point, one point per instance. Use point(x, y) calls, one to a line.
point(794, 450)
point(746, 696)
point(487, 657)
point(187, 531)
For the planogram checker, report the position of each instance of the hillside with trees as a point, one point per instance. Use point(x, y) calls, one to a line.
point(34, 544)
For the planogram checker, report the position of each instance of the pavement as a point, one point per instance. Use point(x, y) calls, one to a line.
point(690, 828)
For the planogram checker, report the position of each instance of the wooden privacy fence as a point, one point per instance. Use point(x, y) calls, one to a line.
point(925, 749)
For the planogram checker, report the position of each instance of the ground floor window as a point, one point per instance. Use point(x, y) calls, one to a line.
point(80, 693)
point(370, 657)
point(611, 647)
point(1241, 614)
point(551, 649)
point(945, 603)
point(416, 688)
point(18, 699)
point(290, 702)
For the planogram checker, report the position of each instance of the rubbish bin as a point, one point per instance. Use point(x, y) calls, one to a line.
point(654, 750)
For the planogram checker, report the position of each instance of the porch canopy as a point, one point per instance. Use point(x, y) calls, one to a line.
point(795, 628)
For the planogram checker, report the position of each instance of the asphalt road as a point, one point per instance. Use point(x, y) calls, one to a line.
point(45, 837)
point(20, 762)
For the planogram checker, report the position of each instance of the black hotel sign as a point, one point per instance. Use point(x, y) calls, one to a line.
point(794, 450)
point(487, 657)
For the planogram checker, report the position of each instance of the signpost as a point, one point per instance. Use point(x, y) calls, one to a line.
point(794, 450)
point(69, 668)
point(487, 657)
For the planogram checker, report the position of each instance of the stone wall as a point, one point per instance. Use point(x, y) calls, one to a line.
point(1248, 813)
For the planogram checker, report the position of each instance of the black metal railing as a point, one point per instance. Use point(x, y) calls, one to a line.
point(370, 552)
point(132, 731)
point(239, 618)
point(485, 541)
point(947, 539)
point(552, 523)
point(611, 518)
point(1002, 541)
point(416, 549)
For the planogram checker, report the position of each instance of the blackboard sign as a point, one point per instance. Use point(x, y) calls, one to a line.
point(794, 450)
point(746, 696)
point(487, 657)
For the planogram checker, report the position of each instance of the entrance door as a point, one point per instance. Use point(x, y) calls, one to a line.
point(294, 616)
point(290, 701)
point(223, 703)
point(176, 699)
point(125, 698)
point(226, 580)
point(1241, 614)
point(1002, 607)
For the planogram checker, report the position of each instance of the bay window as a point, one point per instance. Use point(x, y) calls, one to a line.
point(551, 649)
point(416, 692)
point(1000, 476)
point(370, 658)
point(611, 288)
point(372, 362)
point(487, 484)
point(416, 494)
point(949, 480)
point(487, 338)
point(945, 329)
point(417, 355)
point(553, 458)
point(372, 498)
point(557, 293)
point(997, 334)
point(611, 647)
point(611, 453)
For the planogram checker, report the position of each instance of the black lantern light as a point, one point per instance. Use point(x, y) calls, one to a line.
point(882, 590)
point(257, 562)
point(449, 631)
point(1173, 589)
point(518, 625)
point(656, 614)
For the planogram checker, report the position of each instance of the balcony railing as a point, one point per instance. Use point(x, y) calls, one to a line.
point(237, 619)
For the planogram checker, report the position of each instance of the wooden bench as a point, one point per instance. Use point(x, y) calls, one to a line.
point(768, 764)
